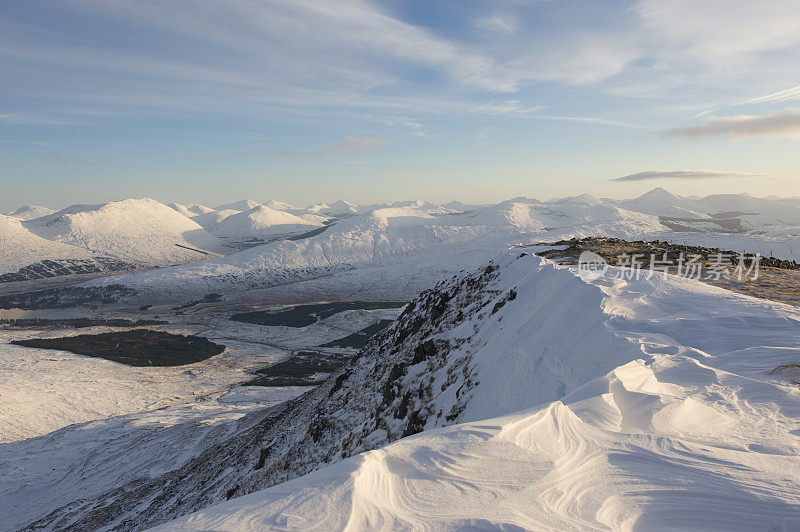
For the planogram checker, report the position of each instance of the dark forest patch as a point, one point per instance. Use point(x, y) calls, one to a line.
point(56, 268)
point(140, 347)
point(73, 296)
point(359, 339)
point(304, 315)
point(208, 298)
point(77, 323)
point(304, 368)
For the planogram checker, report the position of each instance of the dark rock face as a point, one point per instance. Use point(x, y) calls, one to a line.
point(417, 374)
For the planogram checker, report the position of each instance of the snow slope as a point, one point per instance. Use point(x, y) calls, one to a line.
point(668, 413)
point(19, 247)
point(31, 212)
point(721, 212)
point(693, 428)
point(338, 208)
point(138, 231)
point(262, 222)
point(419, 238)
point(239, 206)
point(190, 210)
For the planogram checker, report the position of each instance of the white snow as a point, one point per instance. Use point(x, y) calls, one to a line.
point(31, 212)
point(239, 206)
point(414, 238)
point(689, 428)
point(262, 222)
point(139, 231)
point(19, 247)
point(190, 210)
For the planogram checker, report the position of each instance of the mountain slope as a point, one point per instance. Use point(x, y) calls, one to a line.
point(190, 210)
point(142, 232)
point(660, 368)
point(240, 206)
point(19, 247)
point(31, 212)
point(262, 222)
point(414, 242)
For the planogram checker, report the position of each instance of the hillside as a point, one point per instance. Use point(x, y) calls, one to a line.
point(19, 247)
point(414, 242)
point(31, 212)
point(262, 222)
point(656, 382)
point(190, 210)
point(142, 232)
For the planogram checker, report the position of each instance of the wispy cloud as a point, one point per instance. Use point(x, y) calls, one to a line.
point(497, 24)
point(683, 174)
point(781, 96)
point(781, 124)
point(349, 146)
point(508, 107)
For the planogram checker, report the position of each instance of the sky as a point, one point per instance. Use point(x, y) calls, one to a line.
point(209, 101)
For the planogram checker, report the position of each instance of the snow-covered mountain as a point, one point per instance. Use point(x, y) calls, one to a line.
point(31, 212)
point(190, 210)
point(140, 231)
point(280, 205)
point(726, 213)
point(421, 241)
point(262, 222)
point(239, 206)
point(662, 203)
point(19, 247)
point(338, 208)
point(579, 403)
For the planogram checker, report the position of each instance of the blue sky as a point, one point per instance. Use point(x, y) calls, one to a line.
point(210, 101)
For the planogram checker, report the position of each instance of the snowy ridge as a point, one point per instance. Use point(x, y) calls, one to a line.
point(660, 382)
point(142, 232)
point(696, 431)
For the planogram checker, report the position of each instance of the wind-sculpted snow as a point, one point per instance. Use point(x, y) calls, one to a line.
point(664, 401)
point(142, 232)
point(695, 431)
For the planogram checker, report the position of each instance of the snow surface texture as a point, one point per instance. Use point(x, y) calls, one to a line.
point(693, 431)
point(667, 414)
point(142, 232)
